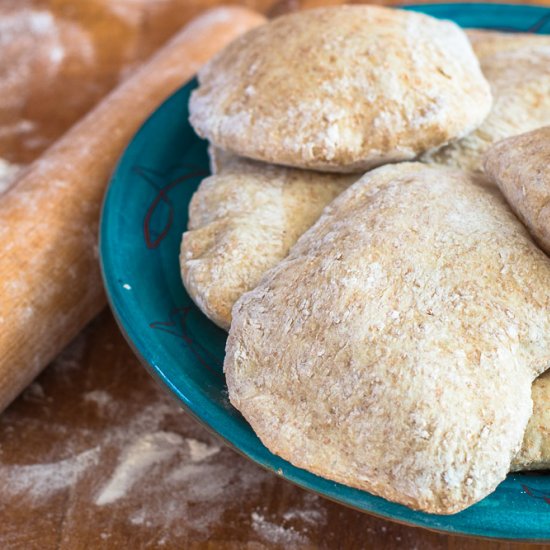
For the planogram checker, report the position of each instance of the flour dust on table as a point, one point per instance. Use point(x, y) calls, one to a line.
point(8, 174)
point(140, 458)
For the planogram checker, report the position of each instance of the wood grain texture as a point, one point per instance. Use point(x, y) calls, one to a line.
point(50, 285)
point(96, 402)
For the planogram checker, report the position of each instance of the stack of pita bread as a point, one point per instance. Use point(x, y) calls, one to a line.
point(387, 298)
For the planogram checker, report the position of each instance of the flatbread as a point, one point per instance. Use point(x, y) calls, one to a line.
point(518, 69)
point(520, 166)
point(341, 89)
point(486, 43)
point(535, 450)
point(243, 221)
point(394, 348)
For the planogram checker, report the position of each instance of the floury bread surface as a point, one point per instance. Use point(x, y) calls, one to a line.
point(520, 166)
point(243, 221)
point(518, 69)
point(535, 449)
point(394, 349)
point(209, 287)
point(342, 89)
point(486, 43)
point(204, 271)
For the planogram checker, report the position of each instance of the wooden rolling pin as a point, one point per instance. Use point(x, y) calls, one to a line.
point(50, 284)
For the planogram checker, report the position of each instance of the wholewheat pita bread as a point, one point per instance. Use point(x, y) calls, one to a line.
point(243, 221)
point(520, 166)
point(341, 89)
point(518, 69)
point(486, 43)
point(217, 300)
point(535, 449)
point(394, 349)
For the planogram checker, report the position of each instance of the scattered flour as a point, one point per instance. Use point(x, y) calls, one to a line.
point(202, 489)
point(217, 15)
point(148, 450)
point(8, 173)
point(36, 44)
point(40, 481)
point(21, 127)
point(177, 483)
point(152, 466)
point(276, 534)
point(138, 518)
point(199, 450)
point(101, 398)
point(133, 12)
point(309, 516)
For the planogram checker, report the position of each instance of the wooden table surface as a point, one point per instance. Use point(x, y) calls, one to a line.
point(94, 454)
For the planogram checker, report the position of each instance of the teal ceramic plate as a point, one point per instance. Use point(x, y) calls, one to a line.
point(144, 215)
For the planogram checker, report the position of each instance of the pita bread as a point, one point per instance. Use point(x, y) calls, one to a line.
point(394, 349)
point(518, 69)
point(535, 450)
point(520, 166)
point(341, 89)
point(487, 43)
point(243, 221)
